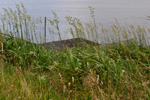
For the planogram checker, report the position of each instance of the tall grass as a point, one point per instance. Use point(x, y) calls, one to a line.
point(110, 72)
point(107, 72)
point(20, 24)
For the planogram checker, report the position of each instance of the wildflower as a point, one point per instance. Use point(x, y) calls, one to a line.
point(64, 88)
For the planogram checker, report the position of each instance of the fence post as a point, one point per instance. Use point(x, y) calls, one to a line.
point(45, 29)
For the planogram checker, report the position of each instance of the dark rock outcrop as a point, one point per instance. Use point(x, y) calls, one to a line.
point(69, 43)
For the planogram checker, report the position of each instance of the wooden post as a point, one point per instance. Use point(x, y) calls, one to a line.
point(45, 29)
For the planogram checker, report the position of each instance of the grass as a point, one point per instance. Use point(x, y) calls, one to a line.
point(108, 72)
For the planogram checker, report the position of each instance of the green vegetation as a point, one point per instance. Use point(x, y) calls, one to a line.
point(107, 72)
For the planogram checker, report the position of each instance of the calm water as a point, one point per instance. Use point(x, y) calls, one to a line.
point(126, 11)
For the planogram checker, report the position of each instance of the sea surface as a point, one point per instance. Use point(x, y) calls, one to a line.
point(133, 12)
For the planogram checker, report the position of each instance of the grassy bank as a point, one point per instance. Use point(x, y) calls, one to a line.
point(119, 70)
point(110, 72)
